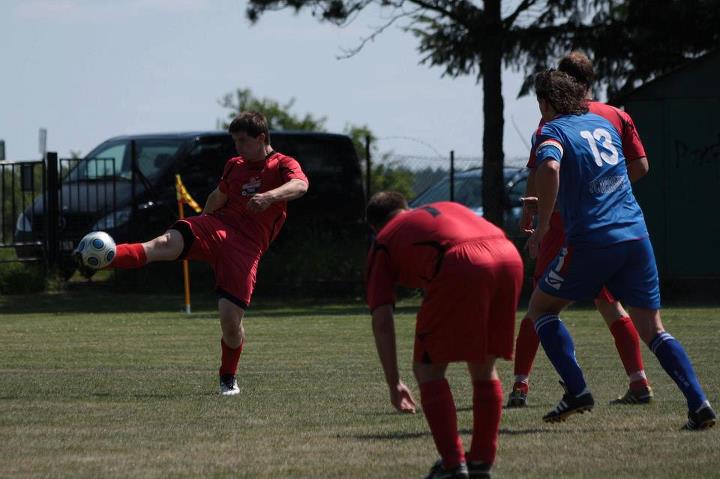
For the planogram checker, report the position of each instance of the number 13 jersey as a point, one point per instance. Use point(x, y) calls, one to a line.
point(595, 199)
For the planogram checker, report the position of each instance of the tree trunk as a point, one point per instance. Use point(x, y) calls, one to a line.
point(493, 193)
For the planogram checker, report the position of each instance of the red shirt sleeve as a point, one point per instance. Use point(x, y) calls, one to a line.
point(290, 170)
point(380, 279)
point(631, 143)
point(533, 158)
point(223, 184)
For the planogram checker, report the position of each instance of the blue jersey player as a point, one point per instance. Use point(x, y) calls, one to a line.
point(580, 164)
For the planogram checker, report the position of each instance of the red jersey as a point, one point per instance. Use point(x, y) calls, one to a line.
point(409, 249)
point(242, 179)
point(632, 146)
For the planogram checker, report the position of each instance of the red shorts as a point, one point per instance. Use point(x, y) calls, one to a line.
point(550, 246)
point(468, 311)
point(232, 255)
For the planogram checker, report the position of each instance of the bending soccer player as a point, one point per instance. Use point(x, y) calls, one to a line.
point(471, 275)
point(626, 338)
point(242, 216)
point(581, 167)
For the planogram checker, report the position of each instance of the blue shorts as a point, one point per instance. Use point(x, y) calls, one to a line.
point(627, 269)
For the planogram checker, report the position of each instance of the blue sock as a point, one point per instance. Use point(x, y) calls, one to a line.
point(559, 347)
point(676, 363)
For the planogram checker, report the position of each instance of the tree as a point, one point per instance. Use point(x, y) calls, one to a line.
point(277, 115)
point(470, 39)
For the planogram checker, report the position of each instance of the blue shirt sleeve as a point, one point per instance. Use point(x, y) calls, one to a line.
point(549, 144)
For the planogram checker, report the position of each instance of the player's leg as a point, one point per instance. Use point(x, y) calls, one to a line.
point(526, 347)
point(627, 343)
point(439, 408)
point(166, 247)
point(527, 341)
point(487, 411)
point(231, 343)
point(677, 365)
point(557, 342)
point(638, 284)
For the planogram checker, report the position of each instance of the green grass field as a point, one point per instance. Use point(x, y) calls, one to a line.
point(114, 386)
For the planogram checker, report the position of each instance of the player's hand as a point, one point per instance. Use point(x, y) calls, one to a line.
point(260, 202)
point(529, 211)
point(533, 243)
point(402, 399)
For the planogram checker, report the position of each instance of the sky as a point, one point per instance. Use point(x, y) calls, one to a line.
point(87, 70)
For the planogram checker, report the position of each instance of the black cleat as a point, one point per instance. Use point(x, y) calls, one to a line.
point(438, 471)
point(643, 396)
point(479, 470)
point(570, 405)
point(701, 420)
point(517, 398)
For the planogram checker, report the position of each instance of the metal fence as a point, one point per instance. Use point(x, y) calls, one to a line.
point(47, 205)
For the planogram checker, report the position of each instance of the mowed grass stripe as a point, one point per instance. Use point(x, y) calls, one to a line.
point(117, 394)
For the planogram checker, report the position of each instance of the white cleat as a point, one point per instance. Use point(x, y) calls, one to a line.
point(228, 385)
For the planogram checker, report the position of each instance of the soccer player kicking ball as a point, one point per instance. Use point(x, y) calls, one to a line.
point(242, 216)
point(471, 275)
point(627, 340)
point(581, 167)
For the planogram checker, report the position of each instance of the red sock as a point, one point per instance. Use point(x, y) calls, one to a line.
point(487, 409)
point(128, 256)
point(439, 408)
point(229, 358)
point(526, 346)
point(627, 342)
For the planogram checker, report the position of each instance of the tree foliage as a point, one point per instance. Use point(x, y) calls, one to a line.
point(278, 115)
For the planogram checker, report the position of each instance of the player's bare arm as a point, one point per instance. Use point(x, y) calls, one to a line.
point(291, 190)
point(383, 325)
point(529, 201)
point(637, 169)
point(547, 182)
point(215, 201)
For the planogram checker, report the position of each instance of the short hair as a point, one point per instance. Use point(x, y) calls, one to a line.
point(252, 123)
point(382, 205)
point(578, 65)
point(565, 94)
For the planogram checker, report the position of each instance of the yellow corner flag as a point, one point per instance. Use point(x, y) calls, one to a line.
point(183, 197)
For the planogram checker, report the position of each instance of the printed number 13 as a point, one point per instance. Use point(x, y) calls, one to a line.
point(602, 136)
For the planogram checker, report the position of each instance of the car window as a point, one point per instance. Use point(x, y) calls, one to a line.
point(206, 160)
point(468, 191)
point(103, 163)
point(153, 157)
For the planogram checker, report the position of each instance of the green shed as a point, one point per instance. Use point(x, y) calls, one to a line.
point(678, 118)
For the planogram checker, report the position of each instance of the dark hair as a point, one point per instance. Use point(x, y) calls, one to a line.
point(578, 65)
point(381, 206)
point(252, 123)
point(565, 94)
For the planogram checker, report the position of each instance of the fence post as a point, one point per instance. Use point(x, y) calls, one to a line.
point(53, 210)
point(452, 175)
point(368, 169)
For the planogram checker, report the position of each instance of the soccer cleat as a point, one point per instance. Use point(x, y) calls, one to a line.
point(438, 471)
point(703, 419)
point(228, 385)
point(643, 396)
point(517, 398)
point(478, 470)
point(570, 405)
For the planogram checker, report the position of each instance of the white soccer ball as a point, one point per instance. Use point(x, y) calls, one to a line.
point(96, 250)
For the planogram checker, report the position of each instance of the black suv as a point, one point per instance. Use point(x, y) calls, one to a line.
point(126, 186)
